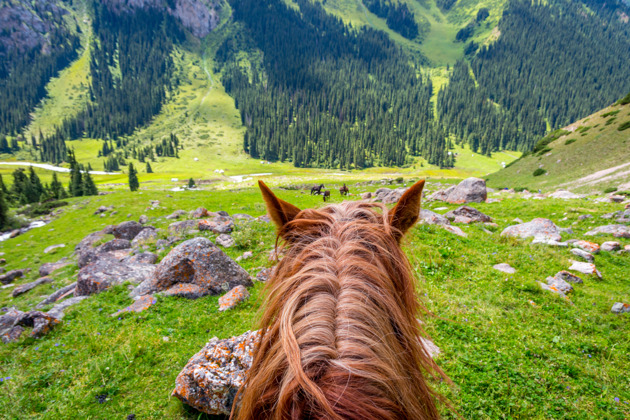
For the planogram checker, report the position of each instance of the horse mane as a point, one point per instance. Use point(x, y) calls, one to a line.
point(340, 338)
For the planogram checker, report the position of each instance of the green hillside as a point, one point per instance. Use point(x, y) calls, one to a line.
point(590, 155)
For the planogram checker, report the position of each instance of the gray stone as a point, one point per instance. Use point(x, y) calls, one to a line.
point(456, 230)
point(506, 268)
point(242, 216)
point(585, 268)
point(585, 216)
point(13, 322)
point(552, 289)
point(537, 228)
point(219, 224)
point(87, 242)
point(559, 284)
point(198, 213)
point(148, 235)
point(64, 291)
point(58, 310)
point(127, 230)
point(143, 220)
point(176, 214)
point(389, 196)
point(185, 290)
point(52, 248)
point(12, 275)
point(618, 231)
point(610, 246)
point(225, 240)
point(104, 273)
point(466, 215)
point(182, 227)
point(431, 218)
point(264, 274)
point(366, 195)
point(246, 255)
point(568, 277)
point(29, 286)
point(232, 298)
point(583, 254)
point(470, 190)
point(144, 258)
point(141, 304)
point(620, 308)
point(48, 268)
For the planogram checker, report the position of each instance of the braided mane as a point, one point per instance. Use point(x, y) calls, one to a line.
point(340, 336)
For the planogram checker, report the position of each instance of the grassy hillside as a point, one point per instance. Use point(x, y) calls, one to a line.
point(592, 154)
point(512, 349)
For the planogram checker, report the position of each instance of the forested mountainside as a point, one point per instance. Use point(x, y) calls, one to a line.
point(311, 88)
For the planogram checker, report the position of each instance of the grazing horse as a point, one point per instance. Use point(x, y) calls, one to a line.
point(340, 339)
point(344, 190)
point(326, 195)
point(317, 189)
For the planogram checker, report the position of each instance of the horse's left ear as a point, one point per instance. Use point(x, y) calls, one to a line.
point(406, 213)
point(280, 211)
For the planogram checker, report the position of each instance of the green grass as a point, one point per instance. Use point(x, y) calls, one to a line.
point(512, 350)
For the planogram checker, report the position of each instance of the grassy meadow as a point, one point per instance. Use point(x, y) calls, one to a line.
point(511, 349)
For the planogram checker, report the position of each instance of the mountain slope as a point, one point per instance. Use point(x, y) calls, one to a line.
point(592, 154)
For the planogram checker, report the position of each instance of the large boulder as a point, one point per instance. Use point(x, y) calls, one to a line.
point(618, 231)
point(127, 230)
point(466, 214)
point(432, 218)
point(200, 262)
point(211, 378)
point(539, 228)
point(106, 272)
point(470, 190)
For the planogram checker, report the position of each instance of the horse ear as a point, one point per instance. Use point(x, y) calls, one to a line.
point(406, 213)
point(280, 211)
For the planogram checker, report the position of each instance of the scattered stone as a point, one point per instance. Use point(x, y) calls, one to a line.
point(198, 213)
point(504, 267)
point(143, 220)
point(64, 291)
point(610, 246)
point(470, 190)
point(225, 240)
point(57, 311)
point(431, 218)
point(587, 246)
point(219, 224)
point(466, 215)
point(618, 231)
point(583, 254)
point(47, 269)
point(264, 274)
point(620, 308)
point(585, 216)
point(52, 248)
point(127, 230)
point(568, 277)
point(183, 227)
point(29, 286)
point(559, 284)
point(246, 255)
point(565, 195)
point(211, 378)
point(12, 275)
point(538, 228)
point(106, 272)
point(585, 268)
point(232, 298)
point(223, 213)
point(366, 195)
point(176, 214)
point(141, 304)
point(144, 258)
point(553, 289)
point(101, 209)
point(197, 261)
point(185, 290)
point(456, 230)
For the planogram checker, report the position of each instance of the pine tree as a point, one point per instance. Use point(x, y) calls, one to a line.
point(89, 188)
point(149, 169)
point(76, 179)
point(3, 187)
point(191, 183)
point(133, 178)
point(56, 188)
point(4, 212)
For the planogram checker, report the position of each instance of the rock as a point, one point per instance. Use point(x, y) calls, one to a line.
point(431, 218)
point(568, 230)
point(585, 216)
point(183, 227)
point(550, 242)
point(146, 236)
point(225, 240)
point(48, 268)
point(246, 255)
point(223, 213)
point(143, 220)
point(559, 284)
point(568, 277)
point(620, 308)
point(14, 233)
point(553, 289)
point(219, 224)
point(517, 220)
point(457, 231)
point(538, 228)
point(211, 378)
point(586, 268)
point(506, 268)
point(52, 248)
point(389, 196)
point(366, 195)
point(242, 216)
point(565, 195)
point(466, 214)
point(264, 218)
point(29, 286)
point(610, 246)
point(232, 298)
point(87, 242)
point(144, 258)
point(113, 245)
point(64, 291)
point(57, 311)
point(200, 262)
point(127, 230)
point(198, 213)
point(107, 272)
point(616, 198)
point(185, 290)
point(583, 254)
point(441, 195)
point(101, 209)
point(176, 214)
point(162, 243)
point(12, 275)
point(618, 231)
point(587, 246)
point(116, 249)
point(470, 190)
point(264, 274)
point(141, 304)
point(13, 322)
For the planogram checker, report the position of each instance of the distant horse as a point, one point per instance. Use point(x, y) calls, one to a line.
point(326, 195)
point(344, 190)
point(340, 339)
point(317, 189)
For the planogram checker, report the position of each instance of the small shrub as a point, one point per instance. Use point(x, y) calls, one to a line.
point(520, 189)
point(624, 126)
point(543, 151)
point(609, 190)
point(569, 141)
point(610, 121)
point(625, 100)
point(539, 172)
point(611, 113)
point(400, 180)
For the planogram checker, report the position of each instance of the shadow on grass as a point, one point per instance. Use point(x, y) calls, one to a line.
point(194, 414)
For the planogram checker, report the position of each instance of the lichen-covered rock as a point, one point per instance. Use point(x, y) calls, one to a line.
point(12, 275)
point(583, 254)
point(504, 267)
point(64, 291)
point(29, 286)
point(219, 224)
point(456, 230)
point(610, 246)
point(200, 262)
point(57, 311)
point(144, 258)
point(198, 213)
point(539, 228)
point(568, 277)
point(466, 215)
point(211, 378)
point(141, 304)
point(432, 218)
point(185, 290)
point(148, 235)
point(553, 289)
point(264, 274)
point(108, 251)
point(183, 227)
point(559, 284)
point(87, 242)
point(618, 231)
point(587, 246)
point(13, 322)
point(107, 272)
point(586, 268)
point(225, 240)
point(620, 308)
point(47, 269)
point(233, 298)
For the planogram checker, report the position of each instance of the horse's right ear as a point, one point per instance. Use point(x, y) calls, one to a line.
point(280, 211)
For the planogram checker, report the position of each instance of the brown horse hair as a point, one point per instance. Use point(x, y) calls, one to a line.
point(340, 338)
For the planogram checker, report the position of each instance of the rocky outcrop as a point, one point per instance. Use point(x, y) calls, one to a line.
point(466, 215)
point(13, 322)
point(106, 272)
point(539, 228)
point(200, 262)
point(29, 286)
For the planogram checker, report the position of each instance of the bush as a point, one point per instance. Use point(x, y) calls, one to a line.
point(610, 190)
point(520, 189)
point(569, 141)
point(624, 126)
point(41, 208)
point(625, 100)
point(611, 113)
point(539, 172)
